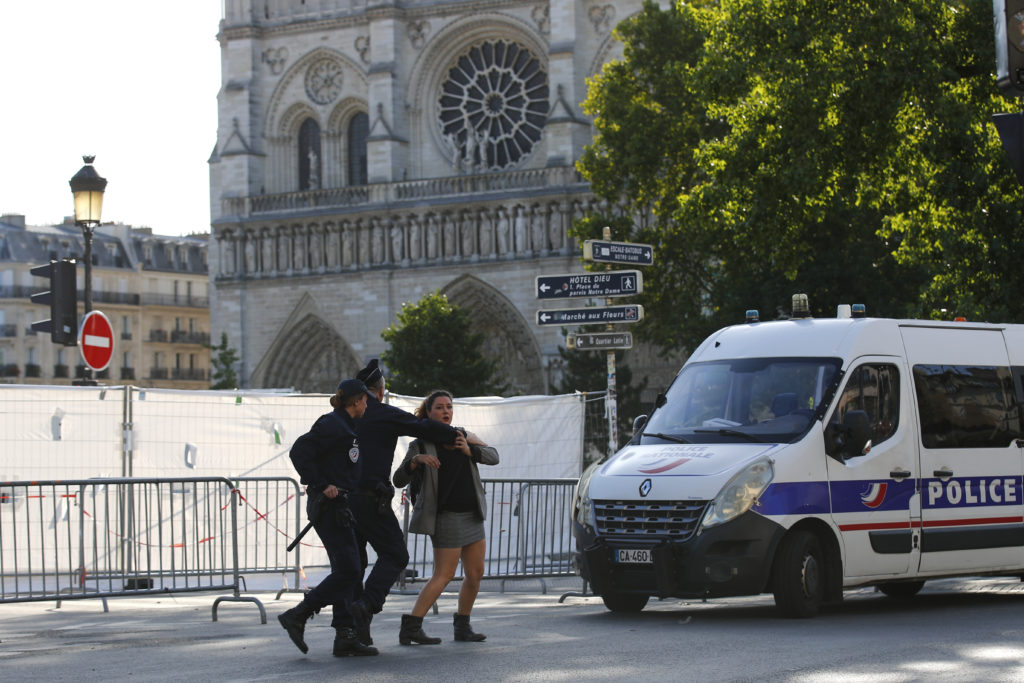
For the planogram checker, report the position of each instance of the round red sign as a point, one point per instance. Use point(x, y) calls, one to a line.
point(96, 341)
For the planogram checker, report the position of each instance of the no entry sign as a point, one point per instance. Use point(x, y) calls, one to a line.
point(96, 340)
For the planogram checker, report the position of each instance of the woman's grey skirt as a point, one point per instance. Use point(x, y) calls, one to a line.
point(457, 529)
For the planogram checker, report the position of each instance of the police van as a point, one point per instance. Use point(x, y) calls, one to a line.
point(805, 456)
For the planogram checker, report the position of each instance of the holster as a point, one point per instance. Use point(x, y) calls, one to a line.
point(385, 492)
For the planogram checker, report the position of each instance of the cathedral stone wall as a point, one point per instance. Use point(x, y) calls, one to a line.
point(370, 152)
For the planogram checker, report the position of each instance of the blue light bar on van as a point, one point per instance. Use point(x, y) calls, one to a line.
point(858, 311)
point(753, 316)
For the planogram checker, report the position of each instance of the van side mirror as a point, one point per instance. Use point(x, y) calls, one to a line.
point(638, 423)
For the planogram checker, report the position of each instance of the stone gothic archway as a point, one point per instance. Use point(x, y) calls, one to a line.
point(307, 355)
point(507, 337)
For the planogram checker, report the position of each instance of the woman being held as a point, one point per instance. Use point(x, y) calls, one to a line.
point(450, 508)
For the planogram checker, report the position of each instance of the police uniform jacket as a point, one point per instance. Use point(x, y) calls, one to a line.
point(329, 453)
point(424, 512)
point(378, 433)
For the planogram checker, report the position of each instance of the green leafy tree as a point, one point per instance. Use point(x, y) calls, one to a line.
point(844, 150)
point(588, 371)
point(223, 359)
point(433, 346)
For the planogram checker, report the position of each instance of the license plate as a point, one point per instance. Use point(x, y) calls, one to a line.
point(633, 556)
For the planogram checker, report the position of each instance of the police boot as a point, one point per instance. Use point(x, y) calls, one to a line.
point(463, 630)
point(412, 632)
point(363, 632)
point(294, 622)
point(346, 644)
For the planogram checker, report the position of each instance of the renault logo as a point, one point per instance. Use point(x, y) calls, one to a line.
point(645, 488)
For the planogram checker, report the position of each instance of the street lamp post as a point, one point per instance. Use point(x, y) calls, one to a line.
point(87, 186)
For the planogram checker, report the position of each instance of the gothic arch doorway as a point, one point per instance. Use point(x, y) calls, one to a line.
point(507, 337)
point(308, 356)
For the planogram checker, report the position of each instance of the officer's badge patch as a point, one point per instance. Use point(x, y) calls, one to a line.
point(353, 453)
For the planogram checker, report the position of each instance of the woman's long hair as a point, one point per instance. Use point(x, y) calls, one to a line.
point(423, 409)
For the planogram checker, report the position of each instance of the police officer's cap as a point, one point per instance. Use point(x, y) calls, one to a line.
point(351, 387)
point(371, 373)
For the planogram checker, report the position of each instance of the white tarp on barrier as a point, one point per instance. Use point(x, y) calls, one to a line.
point(79, 432)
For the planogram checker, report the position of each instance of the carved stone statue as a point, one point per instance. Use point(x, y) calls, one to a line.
point(522, 244)
point(363, 243)
point(333, 246)
point(347, 252)
point(250, 253)
point(468, 234)
point(539, 229)
point(415, 238)
point(432, 236)
point(227, 249)
point(556, 227)
point(471, 142)
point(268, 250)
point(397, 248)
point(378, 241)
point(316, 253)
point(299, 256)
point(504, 247)
point(314, 169)
point(456, 152)
point(448, 230)
point(486, 241)
point(284, 252)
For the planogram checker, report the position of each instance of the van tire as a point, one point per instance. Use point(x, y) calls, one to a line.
point(624, 602)
point(798, 575)
point(901, 590)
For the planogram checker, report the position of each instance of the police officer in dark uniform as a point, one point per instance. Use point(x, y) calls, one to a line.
point(376, 523)
point(329, 459)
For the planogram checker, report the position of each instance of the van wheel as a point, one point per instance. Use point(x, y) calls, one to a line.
point(901, 589)
point(798, 575)
point(624, 602)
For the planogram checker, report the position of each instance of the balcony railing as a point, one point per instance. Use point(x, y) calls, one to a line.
point(10, 370)
point(19, 291)
point(115, 298)
point(126, 336)
point(193, 374)
point(60, 370)
point(183, 337)
point(179, 300)
point(158, 373)
point(8, 330)
point(33, 370)
point(127, 373)
point(475, 186)
point(158, 335)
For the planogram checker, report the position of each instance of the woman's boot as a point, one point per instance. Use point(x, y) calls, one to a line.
point(463, 631)
point(294, 622)
point(412, 632)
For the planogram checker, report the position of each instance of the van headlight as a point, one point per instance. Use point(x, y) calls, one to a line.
point(583, 506)
point(740, 493)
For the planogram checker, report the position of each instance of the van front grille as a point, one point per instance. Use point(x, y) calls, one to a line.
point(653, 519)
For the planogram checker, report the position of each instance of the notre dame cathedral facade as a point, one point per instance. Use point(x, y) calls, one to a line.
point(372, 151)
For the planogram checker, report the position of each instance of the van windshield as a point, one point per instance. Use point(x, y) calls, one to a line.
point(765, 400)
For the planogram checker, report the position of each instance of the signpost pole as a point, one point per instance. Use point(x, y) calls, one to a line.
point(611, 406)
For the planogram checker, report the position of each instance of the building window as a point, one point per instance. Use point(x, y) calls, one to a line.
point(358, 131)
point(309, 155)
point(493, 105)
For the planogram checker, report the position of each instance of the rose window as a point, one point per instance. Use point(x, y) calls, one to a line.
point(323, 81)
point(493, 105)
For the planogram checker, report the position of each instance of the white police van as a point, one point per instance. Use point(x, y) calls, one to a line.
point(804, 456)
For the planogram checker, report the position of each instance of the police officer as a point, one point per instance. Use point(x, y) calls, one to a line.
point(376, 523)
point(329, 458)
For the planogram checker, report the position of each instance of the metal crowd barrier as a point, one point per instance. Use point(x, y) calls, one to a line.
point(528, 532)
point(272, 511)
point(98, 538)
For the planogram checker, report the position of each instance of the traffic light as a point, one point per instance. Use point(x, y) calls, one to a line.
point(63, 300)
point(1008, 18)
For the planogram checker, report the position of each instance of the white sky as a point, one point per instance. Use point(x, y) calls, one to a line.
point(133, 82)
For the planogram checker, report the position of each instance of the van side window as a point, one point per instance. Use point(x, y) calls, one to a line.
point(966, 406)
point(875, 390)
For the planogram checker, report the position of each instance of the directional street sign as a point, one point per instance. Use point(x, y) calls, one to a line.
point(602, 341)
point(591, 316)
point(611, 283)
point(618, 252)
point(96, 340)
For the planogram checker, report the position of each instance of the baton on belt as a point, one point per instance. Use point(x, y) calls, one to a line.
point(315, 510)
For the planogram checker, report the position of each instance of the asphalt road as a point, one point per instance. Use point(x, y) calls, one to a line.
point(952, 631)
